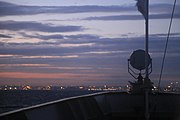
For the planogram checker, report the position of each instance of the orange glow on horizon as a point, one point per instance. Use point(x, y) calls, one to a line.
point(27, 75)
point(36, 75)
point(24, 65)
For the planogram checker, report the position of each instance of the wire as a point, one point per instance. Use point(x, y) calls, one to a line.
point(165, 50)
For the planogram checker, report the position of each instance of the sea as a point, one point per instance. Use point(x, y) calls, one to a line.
point(11, 100)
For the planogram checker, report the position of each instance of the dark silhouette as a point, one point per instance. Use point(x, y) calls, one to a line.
point(140, 79)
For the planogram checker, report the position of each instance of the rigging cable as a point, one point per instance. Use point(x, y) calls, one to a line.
point(165, 50)
point(154, 108)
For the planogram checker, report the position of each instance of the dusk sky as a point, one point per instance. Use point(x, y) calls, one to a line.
point(83, 42)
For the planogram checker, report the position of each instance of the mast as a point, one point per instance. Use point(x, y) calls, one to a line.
point(146, 80)
point(147, 39)
point(143, 7)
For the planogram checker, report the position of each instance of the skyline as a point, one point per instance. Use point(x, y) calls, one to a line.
point(83, 42)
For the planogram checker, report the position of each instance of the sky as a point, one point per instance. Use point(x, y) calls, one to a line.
point(80, 42)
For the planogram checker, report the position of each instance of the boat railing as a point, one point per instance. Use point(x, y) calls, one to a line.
point(101, 106)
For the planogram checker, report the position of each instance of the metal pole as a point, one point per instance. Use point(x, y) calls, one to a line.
point(146, 62)
point(147, 104)
point(147, 39)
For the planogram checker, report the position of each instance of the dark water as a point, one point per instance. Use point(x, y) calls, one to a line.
point(12, 100)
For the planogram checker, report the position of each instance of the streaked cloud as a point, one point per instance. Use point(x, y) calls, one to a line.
point(20, 40)
point(50, 57)
point(4, 36)
point(36, 26)
point(42, 37)
point(104, 52)
point(133, 17)
point(69, 68)
point(27, 75)
point(78, 38)
point(82, 37)
point(46, 66)
point(84, 46)
point(12, 9)
point(36, 75)
point(7, 55)
point(161, 10)
point(24, 65)
point(76, 45)
point(39, 57)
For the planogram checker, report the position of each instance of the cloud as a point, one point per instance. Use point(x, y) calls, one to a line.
point(36, 26)
point(104, 52)
point(5, 36)
point(47, 66)
point(163, 8)
point(30, 75)
point(108, 56)
point(24, 65)
point(132, 17)
point(165, 35)
point(76, 45)
point(116, 17)
point(43, 37)
point(77, 38)
point(37, 57)
point(36, 75)
point(13, 9)
point(49, 57)
point(82, 37)
point(84, 45)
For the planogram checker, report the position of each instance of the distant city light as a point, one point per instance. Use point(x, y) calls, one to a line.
point(172, 87)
